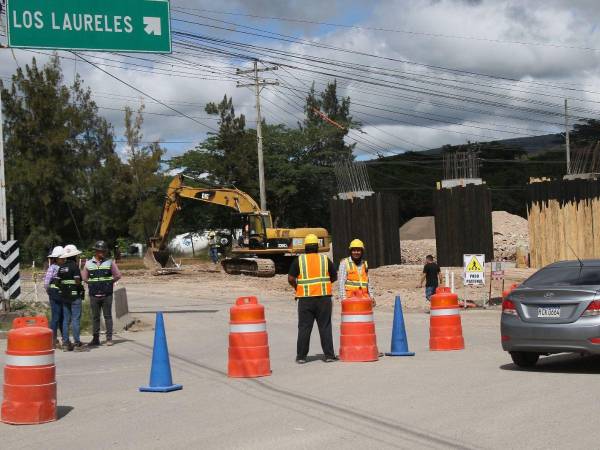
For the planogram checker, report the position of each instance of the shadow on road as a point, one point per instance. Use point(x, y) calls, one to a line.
point(563, 363)
point(385, 430)
point(62, 411)
point(178, 311)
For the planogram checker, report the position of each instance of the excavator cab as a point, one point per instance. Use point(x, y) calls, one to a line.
point(254, 229)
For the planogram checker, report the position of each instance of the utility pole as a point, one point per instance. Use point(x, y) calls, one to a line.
point(567, 143)
point(3, 230)
point(258, 85)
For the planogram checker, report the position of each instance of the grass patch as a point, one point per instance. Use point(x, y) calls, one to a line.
point(31, 309)
point(131, 264)
point(86, 317)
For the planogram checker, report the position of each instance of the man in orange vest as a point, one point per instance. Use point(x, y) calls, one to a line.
point(354, 272)
point(311, 275)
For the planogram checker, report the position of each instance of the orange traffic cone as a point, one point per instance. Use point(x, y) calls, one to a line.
point(358, 341)
point(445, 329)
point(248, 340)
point(29, 374)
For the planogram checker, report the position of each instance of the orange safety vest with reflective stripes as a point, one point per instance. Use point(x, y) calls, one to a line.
point(356, 279)
point(313, 280)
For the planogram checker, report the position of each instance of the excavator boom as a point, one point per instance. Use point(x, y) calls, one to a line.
point(229, 197)
point(264, 245)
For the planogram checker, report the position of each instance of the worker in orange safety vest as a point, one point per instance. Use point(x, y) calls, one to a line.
point(353, 273)
point(311, 275)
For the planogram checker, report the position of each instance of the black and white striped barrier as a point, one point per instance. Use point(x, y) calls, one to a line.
point(9, 269)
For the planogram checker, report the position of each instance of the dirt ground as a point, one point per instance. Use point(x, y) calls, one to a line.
point(387, 281)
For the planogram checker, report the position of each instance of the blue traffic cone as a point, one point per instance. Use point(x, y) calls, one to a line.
point(160, 372)
point(399, 341)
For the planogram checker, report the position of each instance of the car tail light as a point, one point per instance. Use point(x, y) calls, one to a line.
point(504, 338)
point(508, 307)
point(593, 309)
point(595, 340)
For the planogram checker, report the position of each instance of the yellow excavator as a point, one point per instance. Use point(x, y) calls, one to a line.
point(261, 250)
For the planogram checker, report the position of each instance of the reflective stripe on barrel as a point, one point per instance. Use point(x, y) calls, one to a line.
point(29, 361)
point(444, 312)
point(247, 327)
point(357, 317)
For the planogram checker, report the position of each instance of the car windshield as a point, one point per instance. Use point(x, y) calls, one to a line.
point(564, 276)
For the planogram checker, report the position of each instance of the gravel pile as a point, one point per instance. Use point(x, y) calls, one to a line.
point(414, 252)
point(509, 231)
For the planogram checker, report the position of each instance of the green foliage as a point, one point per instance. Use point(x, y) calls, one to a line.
point(298, 162)
point(65, 182)
point(586, 133)
point(146, 180)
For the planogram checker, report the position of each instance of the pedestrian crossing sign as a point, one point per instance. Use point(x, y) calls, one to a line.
point(474, 265)
point(474, 270)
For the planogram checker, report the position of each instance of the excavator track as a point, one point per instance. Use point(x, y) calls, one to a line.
point(256, 267)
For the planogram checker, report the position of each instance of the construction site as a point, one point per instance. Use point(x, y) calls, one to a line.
point(266, 225)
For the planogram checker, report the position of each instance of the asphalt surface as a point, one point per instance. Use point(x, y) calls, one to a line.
point(473, 398)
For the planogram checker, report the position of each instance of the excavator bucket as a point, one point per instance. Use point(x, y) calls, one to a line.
point(160, 261)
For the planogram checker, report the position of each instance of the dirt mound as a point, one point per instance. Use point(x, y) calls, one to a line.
point(418, 228)
point(417, 237)
point(509, 231)
point(414, 252)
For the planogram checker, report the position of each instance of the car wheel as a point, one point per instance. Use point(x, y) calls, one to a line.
point(525, 359)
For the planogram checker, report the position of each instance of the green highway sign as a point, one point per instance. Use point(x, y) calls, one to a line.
point(97, 25)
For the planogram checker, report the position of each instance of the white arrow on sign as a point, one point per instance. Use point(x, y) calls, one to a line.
point(152, 25)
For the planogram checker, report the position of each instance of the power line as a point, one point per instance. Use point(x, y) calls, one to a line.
point(145, 94)
point(392, 30)
point(269, 52)
point(294, 39)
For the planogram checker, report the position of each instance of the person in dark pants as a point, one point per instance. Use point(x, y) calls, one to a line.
point(311, 275)
point(56, 307)
point(68, 280)
point(432, 276)
point(100, 274)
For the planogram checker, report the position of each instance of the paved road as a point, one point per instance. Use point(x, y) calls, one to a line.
point(469, 399)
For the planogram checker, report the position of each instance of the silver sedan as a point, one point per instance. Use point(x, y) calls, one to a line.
point(555, 310)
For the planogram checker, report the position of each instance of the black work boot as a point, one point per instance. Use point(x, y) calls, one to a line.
point(94, 342)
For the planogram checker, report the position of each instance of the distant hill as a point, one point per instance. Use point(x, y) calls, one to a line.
point(531, 144)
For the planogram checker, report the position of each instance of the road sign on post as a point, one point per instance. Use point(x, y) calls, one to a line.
point(108, 25)
point(497, 270)
point(474, 270)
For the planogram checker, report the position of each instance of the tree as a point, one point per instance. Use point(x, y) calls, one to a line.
point(298, 162)
point(146, 182)
point(324, 145)
point(56, 144)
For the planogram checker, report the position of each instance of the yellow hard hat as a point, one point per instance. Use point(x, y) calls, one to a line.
point(311, 239)
point(357, 243)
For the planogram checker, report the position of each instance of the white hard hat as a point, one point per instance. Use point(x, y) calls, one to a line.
point(56, 252)
point(70, 250)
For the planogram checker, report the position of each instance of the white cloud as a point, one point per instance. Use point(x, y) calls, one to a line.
point(404, 113)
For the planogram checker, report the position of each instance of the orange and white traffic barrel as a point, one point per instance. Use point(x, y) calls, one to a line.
point(29, 374)
point(358, 341)
point(445, 328)
point(506, 292)
point(248, 340)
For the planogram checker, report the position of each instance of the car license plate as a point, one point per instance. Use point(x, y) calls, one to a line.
point(549, 311)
